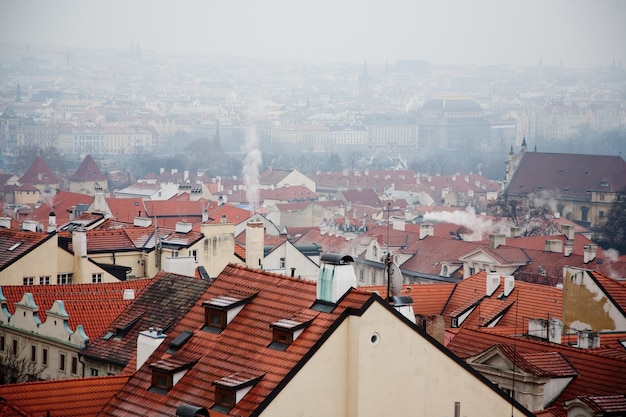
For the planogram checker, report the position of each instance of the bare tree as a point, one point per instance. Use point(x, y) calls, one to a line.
point(533, 215)
point(16, 368)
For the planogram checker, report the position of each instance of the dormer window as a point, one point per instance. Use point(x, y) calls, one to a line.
point(285, 331)
point(232, 388)
point(221, 310)
point(167, 372)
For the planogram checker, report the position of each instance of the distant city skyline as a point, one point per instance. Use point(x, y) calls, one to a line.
point(572, 33)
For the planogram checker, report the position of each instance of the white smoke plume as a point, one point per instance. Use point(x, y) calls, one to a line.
point(253, 159)
point(469, 219)
point(611, 255)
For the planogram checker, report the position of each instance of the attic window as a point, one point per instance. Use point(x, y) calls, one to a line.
point(221, 310)
point(604, 183)
point(232, 388)
point(167, 372)
point(285, 331)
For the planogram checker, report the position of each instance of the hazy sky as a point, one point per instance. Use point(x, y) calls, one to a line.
point(578, 32)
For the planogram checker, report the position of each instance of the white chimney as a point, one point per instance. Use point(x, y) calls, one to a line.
point(5, 222)
point(79, 242)
point(336, 277)
point(493, 282)
point(555, 330)
point(185, 175)
point(399, 223)
point(255, 234)
point(554, 245)
point(588, 339)
point(496, 240)
point(427, 229)
point(183, 227)
point(99, 201)
point(509, 285)
point(568, 248)
point(147, 342)
point(29, 225)
point(205, 216)
point(538, 328)
point(129, 294)
point(568, 231)
point(515, 231)
point(589, 253)
point(142, 222)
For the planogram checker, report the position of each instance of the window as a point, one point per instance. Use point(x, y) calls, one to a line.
point(361, 275)
point(215, 318)
point(65, 278)
point(62, 361)
point(194, 253)
point(14, 348)
point(45, 280)
point(472, 271)
point(282, 336)
point(601, 196)
point(94, 372)
point(2, 342)
point(44, 356)
point(162, 380)
point(224, 398)
point(373, 278)
point(74, 369)
point(455, 322)
point(282, 263)
point(28, 281)
point(601, 214)
point(33, 353)
point(96, 278)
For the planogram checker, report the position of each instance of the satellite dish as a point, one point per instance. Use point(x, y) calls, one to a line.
point(395, 279)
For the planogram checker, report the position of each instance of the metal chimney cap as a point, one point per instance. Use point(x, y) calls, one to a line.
point(336, 259)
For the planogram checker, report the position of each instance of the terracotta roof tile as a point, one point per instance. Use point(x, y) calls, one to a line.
point(76, 397)
point(88, 170)
point(15, 244)
point(94, 306)
point(38, 173)
point(597, 375)
point(162, 303)
point(241, 347)
point(60, 204)
point(126, 209)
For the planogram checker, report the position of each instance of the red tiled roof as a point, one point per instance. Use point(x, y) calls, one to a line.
point(176, 208)
point(126, 209)
point(606, 405)
point(60, 204)
point(92, 305)
point(241, 346)
point(14, 244)
point(366, 197)
point(38, 173)
point(88, 170)
point(75, 397)
point(234, 215)
point(597, 375)
point(292, 193)
point(161, 304)
point(274, 176)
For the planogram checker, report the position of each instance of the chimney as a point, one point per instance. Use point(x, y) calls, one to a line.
point(183, 227)
point(399, 223)
point(5, 222)
point(255, 234)
point(493, 282)
point(515, 232)
point(99, 202)
point(79, 242)
point(223, 219)
point(509, 285)
point(496, 240)
point(161, 170)
point(335, 278)
point(568, 231)
point(553, 245)
point(52, 222)
point(588, 339)
point(568, 248)
point(29, 225)
point(538, 328)
point(427, 229)
point(555, 330)
point(147, 342)
point(589, 253)
point(205, 215)
point(185, 175)
point(142, 222)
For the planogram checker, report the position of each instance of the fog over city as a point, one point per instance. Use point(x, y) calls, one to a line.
point(579, 33)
